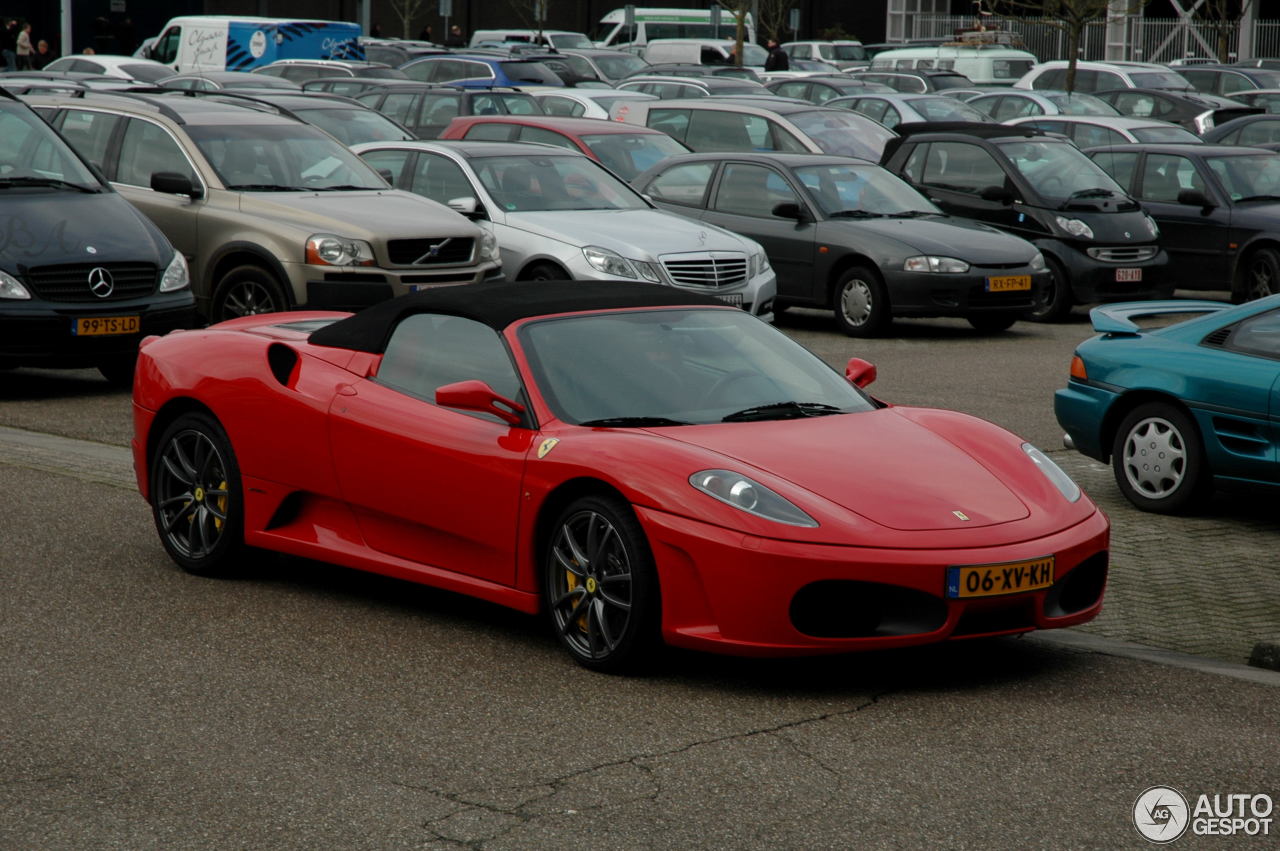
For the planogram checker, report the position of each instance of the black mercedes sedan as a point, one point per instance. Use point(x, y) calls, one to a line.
point(845, 234)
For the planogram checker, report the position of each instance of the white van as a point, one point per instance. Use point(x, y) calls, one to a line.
point(984, 64)
point(666, 23)
point(223, 43)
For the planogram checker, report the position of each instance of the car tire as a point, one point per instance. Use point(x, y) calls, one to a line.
point(196, 497)
point(861, 303)
point(1052, 300)
point(118, 370)
point(1158, 461)
point(1259, 275)
point(247, 291)
point(604, 605)
point(992, 323)
point(545, 272)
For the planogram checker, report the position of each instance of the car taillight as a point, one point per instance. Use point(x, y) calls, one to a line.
point(1077, 368)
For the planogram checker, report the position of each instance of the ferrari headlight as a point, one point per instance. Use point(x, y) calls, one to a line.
point(1053, 473)
point(176, 276)
point(325, 249)
point(609, 262)
point(1037, 262)
point(11, 287)
point(488, 246)
point(1075, 227)
point(935, 264)
point(750, 496)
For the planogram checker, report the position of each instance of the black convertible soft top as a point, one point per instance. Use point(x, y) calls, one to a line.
point(498, 305)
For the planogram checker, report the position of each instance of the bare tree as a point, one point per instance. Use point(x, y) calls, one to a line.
point(738, 10)
point(774, 15)
point(1070, 16)
point(406, 11)
point(1221, 18)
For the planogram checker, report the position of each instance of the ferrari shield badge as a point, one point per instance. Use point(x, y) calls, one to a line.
point(547, 446)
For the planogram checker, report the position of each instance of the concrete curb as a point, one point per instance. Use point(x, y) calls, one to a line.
point(1129, 650)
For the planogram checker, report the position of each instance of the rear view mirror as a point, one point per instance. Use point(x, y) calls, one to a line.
point(860, 373)
point(1194, 198)
point(172, 183)
point(475, 395)
point(998, 194)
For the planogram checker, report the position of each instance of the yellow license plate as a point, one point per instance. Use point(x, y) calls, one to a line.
point(100, 326)
point(1008, 283)
point(993, 580)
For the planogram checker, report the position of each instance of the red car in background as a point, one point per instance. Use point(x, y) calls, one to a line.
point(625, 149)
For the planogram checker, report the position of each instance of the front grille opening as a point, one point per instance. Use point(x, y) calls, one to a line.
point(430, 252)
point(1017, 615)
point(838, 608)
point(707, 271)
point(70, 281)
point(1079, 589)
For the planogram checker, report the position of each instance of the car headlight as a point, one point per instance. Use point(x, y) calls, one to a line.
point(648, 271)
point(934, 264)
point(759, 263)
point(609, 262)
point(176, 277)
point(488, 246)
point(1204, 122)
point(11, 287)
point(1053, 473)
point(1151, 224)
point(1037, 262)
point(1075, 227)
point(750, 496)
point(325, 249)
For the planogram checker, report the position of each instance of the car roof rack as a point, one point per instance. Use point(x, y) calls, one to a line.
point(141, 94)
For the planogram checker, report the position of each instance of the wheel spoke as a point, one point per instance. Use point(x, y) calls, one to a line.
point(593, 538)
point(593, 640)
point(567, 563)
point(172, 522)
point(568, 595)
point(602, 619)
point(571, 620)
point(187, 474)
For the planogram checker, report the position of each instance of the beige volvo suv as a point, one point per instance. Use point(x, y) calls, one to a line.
point(271, 213)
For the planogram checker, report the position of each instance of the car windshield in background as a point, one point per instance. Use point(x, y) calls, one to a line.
point(947, 109)
point(1159, 80)
point(1249, 178)
point(530, 72)
point(855, 191)
point(281, 158)
point(1164, 134)
point(621, 65)
point(31, 154)
point(950, 81)
point(1057, 170)
point(519, 104)
point(353, 126)
point(147, 73)
point(539, 183)
point(842, 52)
point(629, 154)
point(1079, 103)
point(564, 41)
point(1010, 69)
point(845, 134)
point(682, 367)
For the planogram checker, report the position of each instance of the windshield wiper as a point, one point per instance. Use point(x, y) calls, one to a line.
point(856, 214)
point(781, 411)
point(342, 187)
point(909, 214)
point(631, 422)
point(10, 182)
point(1095, 192)
point(1258, 198)
point(265, 187)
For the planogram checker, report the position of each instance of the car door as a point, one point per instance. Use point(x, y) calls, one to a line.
point(954, 175)
point(683, 189)
point(1196, 238)
point(435, 486)
point(1251, 381)
point(743, 201)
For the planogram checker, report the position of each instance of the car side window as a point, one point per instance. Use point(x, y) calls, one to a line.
point(1258, 335)
point(440, 179)
point(871, 108)
point(794, 89)
point(146, 149)
point(1054, 78)
point(439, 110)
point(1201, 80)
point(1232, 83)
point(400, 107)
point(961, 167)
point(1093, 135)
point(427, 351)
point(485, 104)
point(685, 184)
point(1119, 165)
point(476, 71)
point(526, 105)
point(751, 190)
point(546, 137)
point(562, 106)
point(392, 161)
point(492, 132)
point(913, 168)
point(673, 122)
point(1138, 105)
point(1259, 132)
point(714, 130)
point(90, 133)
point(1165, 175)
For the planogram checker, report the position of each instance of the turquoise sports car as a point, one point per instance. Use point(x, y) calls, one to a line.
point(1181, 408)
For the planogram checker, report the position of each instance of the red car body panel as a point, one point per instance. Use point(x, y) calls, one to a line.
point(340, 468)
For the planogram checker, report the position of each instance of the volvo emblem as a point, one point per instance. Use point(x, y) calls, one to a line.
point(961, 515)
point(434, 251)
point(100, 283)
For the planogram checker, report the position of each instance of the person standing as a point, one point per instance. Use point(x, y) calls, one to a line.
point(425, 34)
point(778, 59)
point(455, 38)
point(9, 45)
point(42, 56)
point(24, 48)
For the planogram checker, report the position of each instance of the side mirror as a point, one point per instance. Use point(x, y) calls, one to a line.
point(998, 194)
point(172, 183)
point(1194, 198)
point(474, 395)
point(468, 207)
point(859, 373)
point(790, 210)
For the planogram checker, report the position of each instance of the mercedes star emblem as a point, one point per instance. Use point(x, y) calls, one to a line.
point(100, 283)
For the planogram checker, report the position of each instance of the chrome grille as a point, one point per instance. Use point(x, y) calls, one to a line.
point(70, 281)
point(1124, 253)
point(711, 269)
point(417, 252)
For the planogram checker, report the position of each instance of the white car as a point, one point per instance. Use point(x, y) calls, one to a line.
point(585, 103)
point(559, 215)
point(122, 67)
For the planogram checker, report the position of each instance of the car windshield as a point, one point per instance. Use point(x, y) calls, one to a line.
point(569, 40)
point(1079, 103)
point(1057, 170)
point(628, 154)
point(844, 133)
point(950, 81)
point(1159, 80)
point(530, 72)
point(860, 190)
point(537, 183)
point(682, 366)
point(946, 109)
point(842, 52)
point(32, 155)
point(147, 73)
point(352, 126)
point(1247, 178)
point(1163, 134)
point(617, 67)
point(281, 158)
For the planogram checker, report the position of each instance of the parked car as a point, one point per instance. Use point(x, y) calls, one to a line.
point(678, 69)
point(396, 52)
point(1013, 103)
point(1181, 409)
point(1097, 241)
point(843, 54)
point(894, 109)
point(427, 109)
point(585, 103)
point(702, 51)
point(1103, 76)
point(558, 215)
point(609, 65)
point(672, 88)
point(819, 89)
point(301, 70)
point(556, 39)
point(270, 212)
point(916, 82)
point(623, 148)
point(563, 447)
point(1194, 111)
point(1227, 80)
point(847, 235)
point(212, 81)
point(83, 276)
point(1088, 131)
point(716, 125)
point(342, 118)
point(1261, 129)
point(470, 71)
point(352, 87)
point(120, 67)
point(1268, 100)
point(1218, 208)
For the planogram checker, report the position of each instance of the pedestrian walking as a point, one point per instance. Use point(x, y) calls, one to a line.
point(455, 38)
point(24, 50)
point(43, 56)
point(778, 59)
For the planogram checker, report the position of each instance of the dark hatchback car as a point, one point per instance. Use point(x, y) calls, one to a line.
point(1196, 111)
point(1218, 208)
point(83, 275)
point(1097, 241)
point(427, 109)
point(819, 90)
point(845, 234)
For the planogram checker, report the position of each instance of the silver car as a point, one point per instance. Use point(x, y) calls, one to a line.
point(559, 215)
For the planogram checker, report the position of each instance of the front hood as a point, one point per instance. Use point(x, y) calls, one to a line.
point(43, 228)
point(629, 232)
point(371, 215)
point(1109, 228)
point(951, 237)
point(882, 465)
